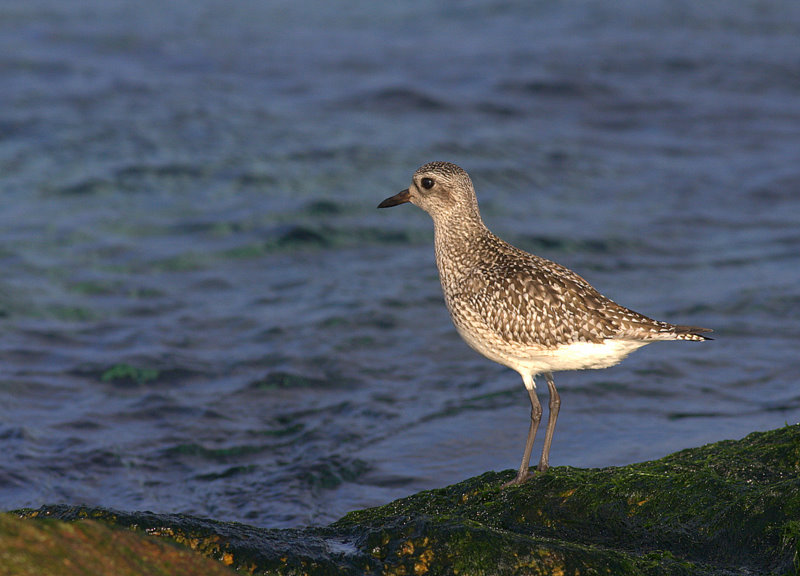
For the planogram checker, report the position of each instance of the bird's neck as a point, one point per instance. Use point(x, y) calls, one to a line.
point(454, 241)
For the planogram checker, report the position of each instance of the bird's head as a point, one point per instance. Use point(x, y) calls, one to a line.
point(441, 189)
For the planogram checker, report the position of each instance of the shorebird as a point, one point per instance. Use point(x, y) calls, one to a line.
point(520, 310)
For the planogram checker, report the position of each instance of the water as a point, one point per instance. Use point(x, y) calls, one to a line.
point(203, 312)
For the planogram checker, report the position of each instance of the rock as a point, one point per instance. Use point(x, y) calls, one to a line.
point(732, 507)
point(91, 548)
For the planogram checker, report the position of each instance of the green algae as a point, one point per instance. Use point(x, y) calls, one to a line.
point(125, 373)
point(732, 507)
point(94, 287)
point(52, 548)
point(245, 251)
point(184, 262)
point(279, 379)
point(71, 313)
point(217, 454)
point(730, 504)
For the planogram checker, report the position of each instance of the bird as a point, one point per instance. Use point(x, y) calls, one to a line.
point(521, 310)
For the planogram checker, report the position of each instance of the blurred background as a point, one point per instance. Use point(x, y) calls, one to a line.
point(201, 310)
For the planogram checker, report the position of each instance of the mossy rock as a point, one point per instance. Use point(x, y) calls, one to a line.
point(732, 507)
point(52, 548)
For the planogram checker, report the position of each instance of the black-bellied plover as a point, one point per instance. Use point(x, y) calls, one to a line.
point(520, 310)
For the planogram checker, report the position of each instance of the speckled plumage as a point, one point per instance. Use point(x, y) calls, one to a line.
point(518, 309)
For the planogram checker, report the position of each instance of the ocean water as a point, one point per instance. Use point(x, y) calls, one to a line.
point(201, 310)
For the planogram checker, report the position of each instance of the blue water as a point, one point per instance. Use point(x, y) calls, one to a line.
point(189, 189)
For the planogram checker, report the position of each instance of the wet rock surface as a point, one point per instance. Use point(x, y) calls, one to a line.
point(732, 507)
point(89, 548)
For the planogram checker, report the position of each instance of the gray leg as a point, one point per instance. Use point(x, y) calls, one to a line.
point(555, 404)
point(536, 417)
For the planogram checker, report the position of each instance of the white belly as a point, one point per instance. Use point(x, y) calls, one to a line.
point(534, 360)
point(578, 356)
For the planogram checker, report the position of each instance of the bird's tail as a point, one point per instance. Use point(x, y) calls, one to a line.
point(689, 333)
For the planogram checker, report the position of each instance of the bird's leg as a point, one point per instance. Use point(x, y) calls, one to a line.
point(536, 417)
point(555, 404)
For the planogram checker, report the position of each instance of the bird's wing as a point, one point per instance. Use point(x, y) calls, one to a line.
point(536, 302)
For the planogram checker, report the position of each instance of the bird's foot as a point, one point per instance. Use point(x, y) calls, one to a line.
point(523, 477)
point(519, 479)
point(515, 481)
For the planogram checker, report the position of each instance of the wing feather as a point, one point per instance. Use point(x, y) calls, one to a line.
point(532, 301)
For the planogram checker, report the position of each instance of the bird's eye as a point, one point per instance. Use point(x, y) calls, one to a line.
point(427, 183)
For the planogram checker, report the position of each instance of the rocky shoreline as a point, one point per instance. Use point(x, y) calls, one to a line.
point(731, 507)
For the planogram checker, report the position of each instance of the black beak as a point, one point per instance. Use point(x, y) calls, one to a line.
point(401, 198)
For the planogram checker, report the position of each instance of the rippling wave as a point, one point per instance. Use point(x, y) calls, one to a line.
point(203, 312)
